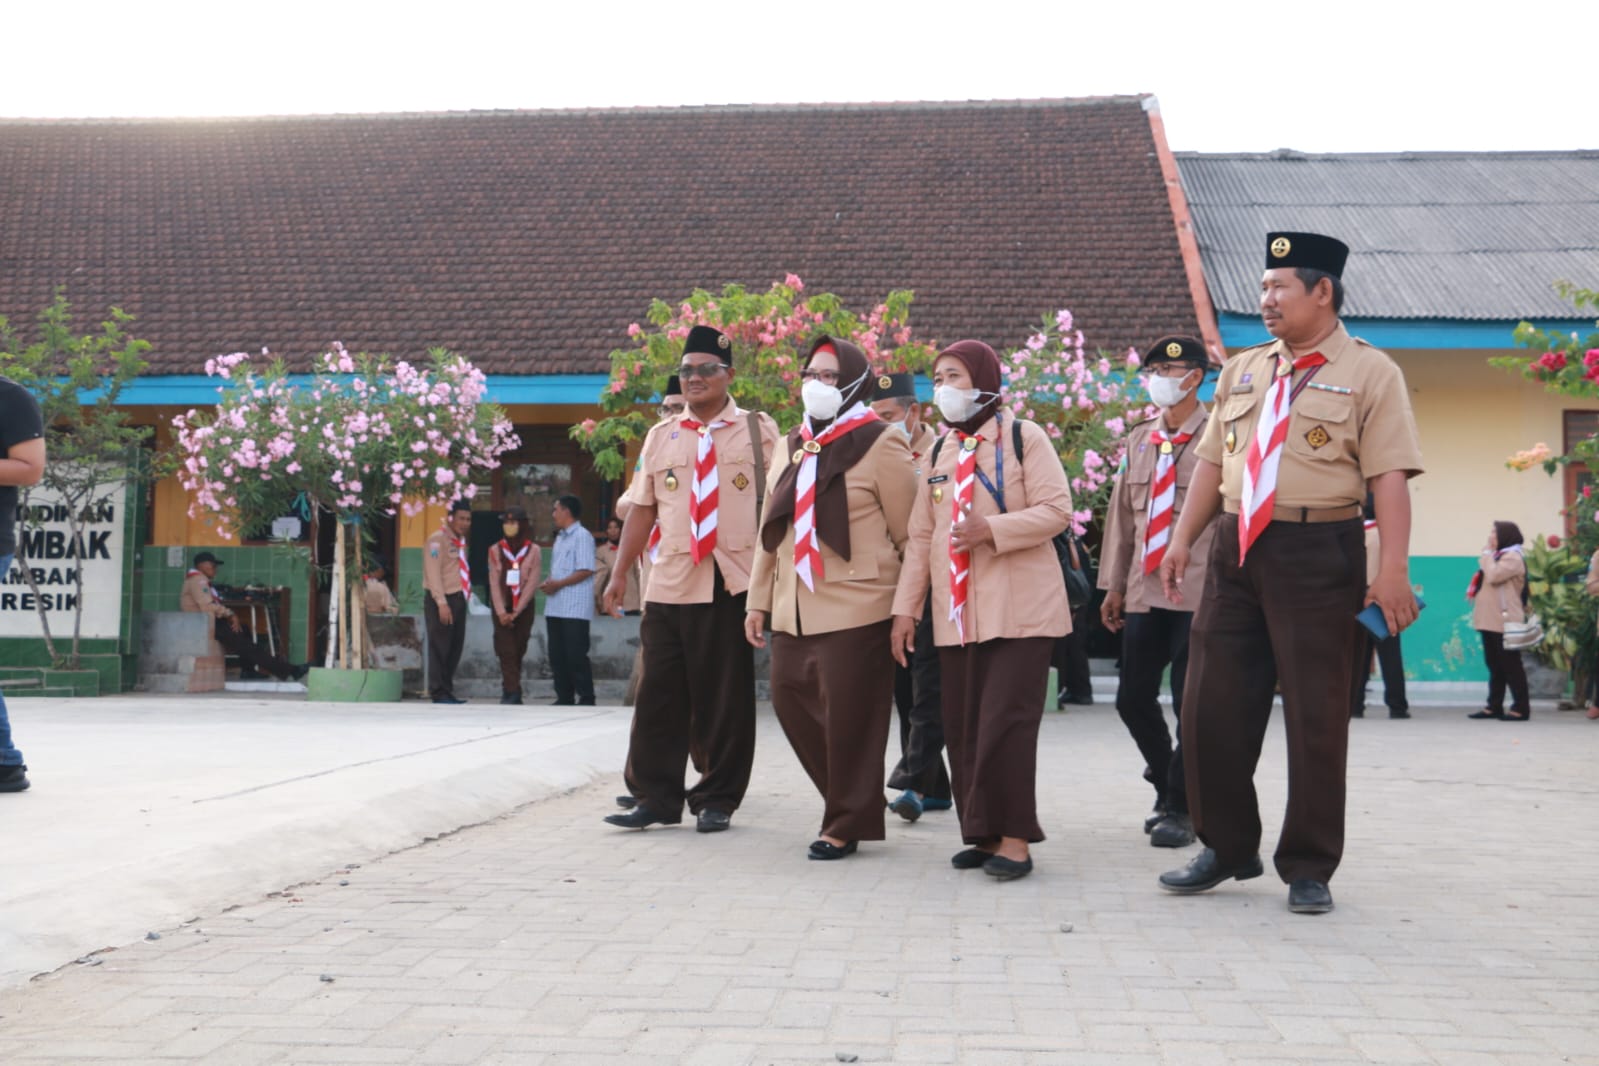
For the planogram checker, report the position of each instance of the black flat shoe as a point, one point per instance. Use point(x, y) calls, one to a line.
point(1512, 716)
point(639, 817)
point(1306, 896)
point(826, 852)
point(712, 821)
point(970, 859)
point(1205, 871)
point(1486, 713)
point(1398, 714)
point(1002, 869)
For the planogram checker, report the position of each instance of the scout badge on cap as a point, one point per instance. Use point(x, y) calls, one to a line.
point(892, 386)
point(1311, 250)
point(1176, 349)
point(710, 342)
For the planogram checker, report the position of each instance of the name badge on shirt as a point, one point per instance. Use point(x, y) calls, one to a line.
point(513, 577)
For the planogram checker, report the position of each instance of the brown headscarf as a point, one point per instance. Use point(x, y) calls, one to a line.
point(982, 365)
point(832, 502)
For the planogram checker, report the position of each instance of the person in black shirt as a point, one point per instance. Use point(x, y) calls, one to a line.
point(21, 463)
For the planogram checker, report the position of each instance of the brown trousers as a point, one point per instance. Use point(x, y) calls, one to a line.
point(831, 693)
point(510, 647)
point(698, 694)
point(1281, 617)
point(993, 703)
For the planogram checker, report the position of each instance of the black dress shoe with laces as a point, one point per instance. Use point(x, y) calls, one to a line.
point(1172, 831)
point(1205, 871)
point(639, 817)
point(712, 821)
point(1306, 896)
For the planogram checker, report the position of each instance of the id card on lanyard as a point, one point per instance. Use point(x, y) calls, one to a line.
point(513, 571)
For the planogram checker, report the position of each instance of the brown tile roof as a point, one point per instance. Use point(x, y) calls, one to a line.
point(529, 240)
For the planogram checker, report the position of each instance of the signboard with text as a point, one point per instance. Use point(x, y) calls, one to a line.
point(46, 546)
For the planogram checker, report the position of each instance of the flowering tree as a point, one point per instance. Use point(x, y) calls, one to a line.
point(771, 332)
point(362, 439)
point(1084, 402)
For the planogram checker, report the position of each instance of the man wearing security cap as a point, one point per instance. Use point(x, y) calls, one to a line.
point(198, 596)
point(1302, 428)
point(1149, 496)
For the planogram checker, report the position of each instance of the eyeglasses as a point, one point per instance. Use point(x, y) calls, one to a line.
point(826, 377)
point(667, 410)
point(699, 370)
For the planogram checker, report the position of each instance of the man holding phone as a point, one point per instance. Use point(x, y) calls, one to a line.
point(1302, 428)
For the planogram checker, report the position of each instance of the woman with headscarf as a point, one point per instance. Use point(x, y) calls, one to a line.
point(1498, 594)
point(826, 568)
point(993, 498)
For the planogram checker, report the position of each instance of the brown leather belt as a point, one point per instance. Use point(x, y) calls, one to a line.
point(1305, 515)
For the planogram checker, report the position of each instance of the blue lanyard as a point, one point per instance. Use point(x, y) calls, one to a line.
point(999, 464)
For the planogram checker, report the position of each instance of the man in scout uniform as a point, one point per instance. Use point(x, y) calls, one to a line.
point(446, 582)
point(1301, 428)
point(198, 596)
point(920, 774)
point(700, 476)
point(514, 566)
point(1144, 506)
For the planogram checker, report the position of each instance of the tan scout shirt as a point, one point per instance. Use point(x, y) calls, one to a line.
point(1352, 423)
point(379, 600)
point(1499, 599)
point(196, 596)
point(922, 442)
point(604, 563)
point(1122, 567)
point(881, 488)
point(665, 480)
point(1015, 588)
point(528, 571)
point(441, 567)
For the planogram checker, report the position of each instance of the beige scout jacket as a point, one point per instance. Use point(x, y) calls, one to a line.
point(664, 481)
point(1499, 599)
point(1121, 567)
point(881, 489)
point(379, 600)
point(530, 567)
point(1016, 588)
point(604, 563)
point(196, 596)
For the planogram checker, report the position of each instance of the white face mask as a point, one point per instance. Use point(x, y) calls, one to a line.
point(957, 405)
point(904, 426)
point(821, 401)
point(1167, 392)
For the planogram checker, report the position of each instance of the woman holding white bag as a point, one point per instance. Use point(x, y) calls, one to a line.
point(1498, 595)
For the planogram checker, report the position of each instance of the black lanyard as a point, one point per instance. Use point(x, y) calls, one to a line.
point(999, 464)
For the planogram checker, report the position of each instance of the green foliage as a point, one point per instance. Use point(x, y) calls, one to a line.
point(1556, 593)
point(1565, 363)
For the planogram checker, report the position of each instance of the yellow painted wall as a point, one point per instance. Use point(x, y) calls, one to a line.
point(1472, 417)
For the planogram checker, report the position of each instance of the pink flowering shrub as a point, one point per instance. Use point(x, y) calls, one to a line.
point(1084, 401)
point(771, 332)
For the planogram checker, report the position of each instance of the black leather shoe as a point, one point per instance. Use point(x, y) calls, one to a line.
point(451, 700)
point(1172, 831)
point(626, 802)
point(1205, 872)
point(712, 821)
point(13, 779)
point(826, 852)
point(1486, 713)
point(1309, 897)
point(1155, 817)
point(297, 673)
point(639, 817)
point(1399, 714)
point(1002, 869)
point(970, 859)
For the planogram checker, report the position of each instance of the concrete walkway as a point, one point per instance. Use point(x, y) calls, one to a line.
point(1466, 931)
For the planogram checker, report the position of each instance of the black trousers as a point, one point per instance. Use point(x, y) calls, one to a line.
point(1281, 617)
point(1070, 658)
point(697, 694)
point(242, 643)
point(917, 692)
point(1504, 669)
point(445, 643)
point(1152, 641)
point(569, 659)
point(1392, 661)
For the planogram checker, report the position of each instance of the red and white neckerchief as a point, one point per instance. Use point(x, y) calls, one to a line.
point(702, 493)
point(807, 547)
point(208, 587)
point(460, 558)
point(513, 566)
point(652, 547)
point(1266, 450)
point(960, 563)
point(1162, 497)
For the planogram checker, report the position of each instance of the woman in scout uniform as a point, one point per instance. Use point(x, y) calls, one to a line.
point(1496, 593)
point(825, 572)
point(981, 534)
point(514, 566)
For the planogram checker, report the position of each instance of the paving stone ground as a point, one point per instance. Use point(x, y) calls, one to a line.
point(1466, 933)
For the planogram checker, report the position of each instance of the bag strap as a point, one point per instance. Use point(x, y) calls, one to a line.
point(758, 446)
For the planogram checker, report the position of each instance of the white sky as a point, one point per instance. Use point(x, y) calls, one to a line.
point(1230, 76)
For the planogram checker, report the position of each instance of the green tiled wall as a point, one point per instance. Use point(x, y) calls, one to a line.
point(271, 566)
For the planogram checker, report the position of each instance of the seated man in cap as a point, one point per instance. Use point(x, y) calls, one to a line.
point(198, 595)
point(920, 773)
point(378, 596)
point(1300, 429)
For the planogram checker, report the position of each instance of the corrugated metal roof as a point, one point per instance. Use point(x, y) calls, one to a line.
point(1474, 236)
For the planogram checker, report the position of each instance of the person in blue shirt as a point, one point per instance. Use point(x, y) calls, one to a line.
point(570, 606)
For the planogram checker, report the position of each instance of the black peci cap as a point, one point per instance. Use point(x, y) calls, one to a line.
point(207, 557)
point(711, 342)
point(895, 386)
point(1312, 250)
point(1176, 349)
point(674, 387)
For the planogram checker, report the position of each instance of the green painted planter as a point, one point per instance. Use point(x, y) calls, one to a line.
point(353, 686)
